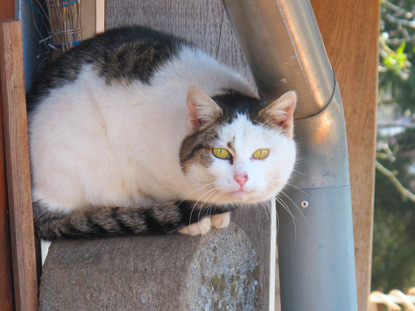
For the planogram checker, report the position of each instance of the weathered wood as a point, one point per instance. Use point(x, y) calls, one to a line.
point(6, 9)
point(206, 24)
point(99, 16)
point(6, 277)
point(350, 30)
point(92, 17)
point(17, 166)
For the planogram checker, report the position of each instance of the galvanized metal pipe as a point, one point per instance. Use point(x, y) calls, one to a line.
point(284, 49)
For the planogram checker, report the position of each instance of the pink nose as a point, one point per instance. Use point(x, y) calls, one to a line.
point(241, 178)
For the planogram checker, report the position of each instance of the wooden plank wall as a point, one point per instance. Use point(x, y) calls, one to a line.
point(6, 276)
point(350, 30)
point(17, 166)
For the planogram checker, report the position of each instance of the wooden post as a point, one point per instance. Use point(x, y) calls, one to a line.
point(350, 31)
point(6, 277)
point(17, 166)
point(93, 17)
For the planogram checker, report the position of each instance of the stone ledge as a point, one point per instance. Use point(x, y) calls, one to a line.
point(218, 271)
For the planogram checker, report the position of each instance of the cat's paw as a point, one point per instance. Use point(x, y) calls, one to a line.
point(198, 228)
point(221, 220)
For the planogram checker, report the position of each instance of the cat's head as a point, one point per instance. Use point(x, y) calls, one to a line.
point(239, 149)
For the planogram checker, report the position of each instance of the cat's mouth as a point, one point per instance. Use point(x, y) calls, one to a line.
point(248, 196)
point(241, 194)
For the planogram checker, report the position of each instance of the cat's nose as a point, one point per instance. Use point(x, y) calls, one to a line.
point(241, 178)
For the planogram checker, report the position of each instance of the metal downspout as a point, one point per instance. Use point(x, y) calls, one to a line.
point(284, 49)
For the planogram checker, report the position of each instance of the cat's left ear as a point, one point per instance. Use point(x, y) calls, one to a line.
point(202, 109)
point(280, 112)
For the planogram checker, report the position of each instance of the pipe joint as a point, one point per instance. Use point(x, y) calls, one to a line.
point(324, 107)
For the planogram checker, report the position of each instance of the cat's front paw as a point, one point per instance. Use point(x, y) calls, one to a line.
point(221, 220)
point(202, 227)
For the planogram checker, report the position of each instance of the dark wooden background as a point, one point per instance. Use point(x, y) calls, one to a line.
point(6, 278)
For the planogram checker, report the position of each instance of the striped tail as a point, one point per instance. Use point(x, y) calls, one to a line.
point(93, 222)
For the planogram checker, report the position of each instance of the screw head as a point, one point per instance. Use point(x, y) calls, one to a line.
point(304, 204)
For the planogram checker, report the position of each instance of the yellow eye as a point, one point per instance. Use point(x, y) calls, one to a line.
point(221, 153)
point(260, 154)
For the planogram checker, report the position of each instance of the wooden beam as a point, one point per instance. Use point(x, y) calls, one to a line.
point(17, 166)
point(6, 276)
point(93, 17)
point(99, 16)
point(7, 9)
point(350, 30)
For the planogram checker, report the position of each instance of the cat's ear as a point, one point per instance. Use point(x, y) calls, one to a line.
point(280, 112)
point(202, 109)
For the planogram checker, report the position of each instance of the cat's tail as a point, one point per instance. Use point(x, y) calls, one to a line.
point(92, 222)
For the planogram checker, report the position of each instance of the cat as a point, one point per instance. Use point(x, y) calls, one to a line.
point(136, 131)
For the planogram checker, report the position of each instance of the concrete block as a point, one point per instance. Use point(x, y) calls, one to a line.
point(217, 271)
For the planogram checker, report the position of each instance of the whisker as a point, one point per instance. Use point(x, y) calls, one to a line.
point(210, 208)
point(197, 202)
point(301, 190)
point(264, 203)
point(206, 201)
point(197, 189)
point(285, 206)
point(278, 221)
point(299, 173)
point(298, 208)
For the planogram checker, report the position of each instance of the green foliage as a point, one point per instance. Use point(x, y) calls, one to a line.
point(393, 263)
point(397, 54)
point(397, 60)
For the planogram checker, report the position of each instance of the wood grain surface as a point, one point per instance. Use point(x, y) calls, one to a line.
point(350, 30)
point(17, 166)
point(206, 24)
point(6, 276)
point(6, 9)
point(92, 17)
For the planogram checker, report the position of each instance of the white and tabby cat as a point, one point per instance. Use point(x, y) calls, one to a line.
point(139, 132)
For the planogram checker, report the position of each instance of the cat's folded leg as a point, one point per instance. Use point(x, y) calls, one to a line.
point(198, 228)
point(203, 226)
point(221, 220)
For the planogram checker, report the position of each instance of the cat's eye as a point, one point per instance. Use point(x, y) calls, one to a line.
point(221, 153)
point(260, 154)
